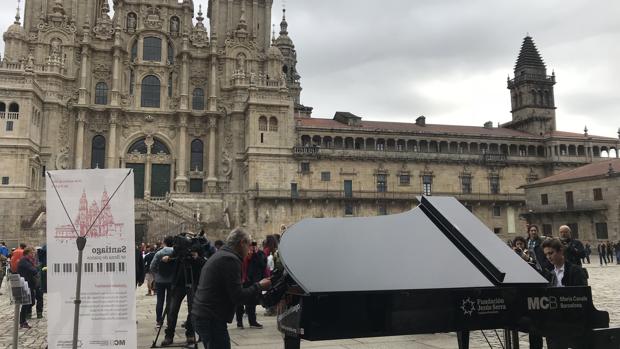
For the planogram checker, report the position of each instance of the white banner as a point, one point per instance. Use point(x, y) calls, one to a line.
point(107, 312)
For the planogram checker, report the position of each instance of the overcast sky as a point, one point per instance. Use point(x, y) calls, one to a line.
point(394, 60)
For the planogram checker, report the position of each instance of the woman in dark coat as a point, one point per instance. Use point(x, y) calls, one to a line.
point(27, 268)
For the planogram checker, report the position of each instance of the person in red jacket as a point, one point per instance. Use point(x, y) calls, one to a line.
point(16, 256)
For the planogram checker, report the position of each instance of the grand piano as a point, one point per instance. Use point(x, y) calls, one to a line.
point(433, 269)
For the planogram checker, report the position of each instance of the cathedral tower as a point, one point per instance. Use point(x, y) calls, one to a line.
point(289, 68)
point(531, 92)
point(225, 15)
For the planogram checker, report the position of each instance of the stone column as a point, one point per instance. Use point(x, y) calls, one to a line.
point(79, 140)
point(212, 101)
point(212, 179)
point(147, 167)
point(184, 103)
point(116, 78)
point(84, 76)
point(267, 24)
point(111, 160)
point(181, 179)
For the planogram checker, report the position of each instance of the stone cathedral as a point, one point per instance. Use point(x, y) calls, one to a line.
point(206, 110)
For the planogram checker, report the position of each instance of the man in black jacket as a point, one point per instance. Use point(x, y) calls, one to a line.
point(564, 274)
point(573, 248)
point(220, 291)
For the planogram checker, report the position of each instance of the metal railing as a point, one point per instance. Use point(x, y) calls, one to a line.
point(581, 206)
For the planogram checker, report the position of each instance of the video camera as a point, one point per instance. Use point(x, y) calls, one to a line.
point(186, 243)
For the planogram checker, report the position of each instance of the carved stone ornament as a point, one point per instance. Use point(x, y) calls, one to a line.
point(62, 159)
point(149, 118)
point(152, 18)
point(104, 29)
point(64, 26)
point(226, 169)
point(199, 78)
point(212, 122)
point(102, 72)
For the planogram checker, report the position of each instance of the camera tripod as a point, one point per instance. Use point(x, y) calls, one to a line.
point(189, 298)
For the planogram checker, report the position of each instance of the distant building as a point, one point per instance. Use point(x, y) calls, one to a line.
point(207, 113)
point(587, 199)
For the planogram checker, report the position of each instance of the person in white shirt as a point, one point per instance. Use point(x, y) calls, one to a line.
point(564, 273)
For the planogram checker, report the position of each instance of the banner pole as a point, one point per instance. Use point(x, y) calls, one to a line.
point(81, 243)
point(16, 325)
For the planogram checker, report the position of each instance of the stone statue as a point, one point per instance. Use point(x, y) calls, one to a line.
point(241, 62)
point(174, 25)
point(55, 50)
point(131, 21)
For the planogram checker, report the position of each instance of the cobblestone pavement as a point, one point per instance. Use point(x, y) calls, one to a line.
point(602, 279)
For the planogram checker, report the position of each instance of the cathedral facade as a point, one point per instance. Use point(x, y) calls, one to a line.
point(205, 108)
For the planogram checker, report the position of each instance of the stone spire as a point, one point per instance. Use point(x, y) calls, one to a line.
point(17, 17)
point(243, 24)
point(284, 24)
point(529, 59)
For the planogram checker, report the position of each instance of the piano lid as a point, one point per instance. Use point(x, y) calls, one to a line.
point(406, 251)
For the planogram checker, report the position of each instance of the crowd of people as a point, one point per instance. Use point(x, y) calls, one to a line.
point(219, 287)
point(31, 264)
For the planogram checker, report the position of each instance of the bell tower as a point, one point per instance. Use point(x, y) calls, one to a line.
point(531, 92)
point(224, 16)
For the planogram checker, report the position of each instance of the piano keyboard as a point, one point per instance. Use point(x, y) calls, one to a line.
point(90, 268)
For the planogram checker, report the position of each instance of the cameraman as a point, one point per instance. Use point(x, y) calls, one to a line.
point(519, 246)
point(573, 248)
point(188, 257)
point(220, 291)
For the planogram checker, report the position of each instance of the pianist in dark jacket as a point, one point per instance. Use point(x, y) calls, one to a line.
point(220, 291)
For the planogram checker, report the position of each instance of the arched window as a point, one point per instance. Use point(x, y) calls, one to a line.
point(262, 123)
point(101, 93)
point(2, 107)
point(150, 91)
point(138, 146)
point(170, 53)
point(14, 108)
point(273, 124)
point(152, 49)
point(197, 149)
point(159, 147)
point(198, 99)
point(97, 157)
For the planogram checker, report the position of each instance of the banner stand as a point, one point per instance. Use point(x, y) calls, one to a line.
point(81, 243)
point(19, 295)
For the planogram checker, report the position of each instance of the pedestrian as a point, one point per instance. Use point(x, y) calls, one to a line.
point(573, 248)
point(220, 291)
point(148, 277)
point(4, 250)
point(16, 255)
point(534, 245)
point(256, 266)
point(163, 273)
point(617, 252)
point(27, 268)
point(602, 253)
point(4, 261)
point(610, 251)
point(588, 252)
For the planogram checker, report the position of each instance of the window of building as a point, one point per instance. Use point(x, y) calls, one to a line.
point(101, 93)
point(97, 158)
point(132, 81)
point(5, 180)
point(380, 146)
point(569, 200)
point(326, 176)
point(404, 179)
point(196, 158)
point(497, 211)
point(195, 185)
point(9, 125)
point(598, 194)
point(466, 184)
point(2, 110)
point(305, 167)
point(427, 184)
point(497, 231)
point(348, 209)
point(381, 210)
point(262, 124)
point(198, 99)
point(170, 53)
point(381, 183)
point(601, 231)
point(547, 229)
point(170, 85)
point(159, 147)
point(134, 51)
point(273, 124)
point(494, 184)
point(152, 49)
point(544, 199)
point(294, 192)
point(150, 91)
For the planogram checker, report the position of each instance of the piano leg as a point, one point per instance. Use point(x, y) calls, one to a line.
point(463, 339)
point(511, 338)
point(292, 342)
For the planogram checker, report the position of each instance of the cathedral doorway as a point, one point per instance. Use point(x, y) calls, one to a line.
point(151, 162)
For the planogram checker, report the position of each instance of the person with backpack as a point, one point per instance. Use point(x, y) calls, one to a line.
point(163, 273)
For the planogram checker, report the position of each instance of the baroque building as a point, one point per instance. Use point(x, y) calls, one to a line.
point(207, 112)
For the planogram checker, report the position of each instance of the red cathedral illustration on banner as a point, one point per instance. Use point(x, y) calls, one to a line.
point(104, 227)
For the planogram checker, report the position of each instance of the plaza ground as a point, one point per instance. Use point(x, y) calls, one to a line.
point(604, 282)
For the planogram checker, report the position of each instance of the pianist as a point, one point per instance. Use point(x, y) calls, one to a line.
point(564, 274)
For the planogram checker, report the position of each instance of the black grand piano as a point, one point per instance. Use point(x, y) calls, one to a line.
point(433, 269)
